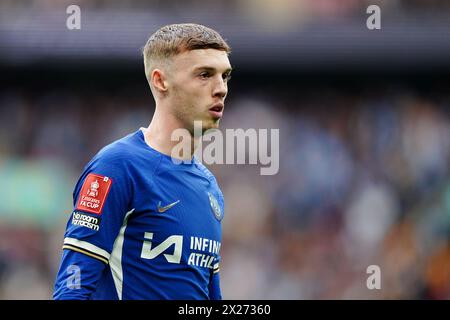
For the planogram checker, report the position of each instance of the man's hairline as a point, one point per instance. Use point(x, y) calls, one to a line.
point(167, 61)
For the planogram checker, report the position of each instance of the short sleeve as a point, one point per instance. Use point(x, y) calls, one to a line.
point(101, 202)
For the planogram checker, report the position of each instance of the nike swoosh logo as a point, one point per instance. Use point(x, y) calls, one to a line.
point(165, 208)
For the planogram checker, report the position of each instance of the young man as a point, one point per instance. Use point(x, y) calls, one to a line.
point(145, 226)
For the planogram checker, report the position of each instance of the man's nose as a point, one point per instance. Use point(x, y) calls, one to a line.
point(220, 89)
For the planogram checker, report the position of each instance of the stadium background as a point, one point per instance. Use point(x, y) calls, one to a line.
point(364, 138)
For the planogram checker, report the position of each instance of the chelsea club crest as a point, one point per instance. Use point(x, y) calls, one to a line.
point(215, 206)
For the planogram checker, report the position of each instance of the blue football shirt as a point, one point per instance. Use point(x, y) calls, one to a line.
point(142, 227)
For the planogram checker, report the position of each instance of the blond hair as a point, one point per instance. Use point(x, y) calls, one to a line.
point(173, 39)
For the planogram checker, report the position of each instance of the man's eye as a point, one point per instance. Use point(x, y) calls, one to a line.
point(204, 75)
point(226, 76)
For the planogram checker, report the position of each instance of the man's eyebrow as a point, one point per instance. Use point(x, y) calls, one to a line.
point(212, 69)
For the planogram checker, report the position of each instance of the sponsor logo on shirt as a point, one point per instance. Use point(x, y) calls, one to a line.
point(203, 251)
point(165, 208)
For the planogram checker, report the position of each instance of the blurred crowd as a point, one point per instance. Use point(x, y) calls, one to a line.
point(275, 12)
point(364, 180)
point(317, 6)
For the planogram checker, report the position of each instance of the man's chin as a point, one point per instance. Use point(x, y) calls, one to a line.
point(213, 125)
point(210, 125)
point(205, 125)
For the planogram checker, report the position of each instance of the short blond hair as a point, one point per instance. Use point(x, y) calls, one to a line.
point(173, 39)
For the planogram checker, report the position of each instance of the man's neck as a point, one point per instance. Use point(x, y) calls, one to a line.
point(158, 136)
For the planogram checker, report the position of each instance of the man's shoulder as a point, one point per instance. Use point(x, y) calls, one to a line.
point(120, 149)
point(126, 151)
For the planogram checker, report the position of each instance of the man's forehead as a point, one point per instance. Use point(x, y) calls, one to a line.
point(212, 58)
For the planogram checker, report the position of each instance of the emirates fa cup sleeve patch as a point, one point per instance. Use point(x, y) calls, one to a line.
point(93, 193)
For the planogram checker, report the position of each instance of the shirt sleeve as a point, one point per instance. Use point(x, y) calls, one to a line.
point(214, 284)
point(101, 201)
point(77, 277)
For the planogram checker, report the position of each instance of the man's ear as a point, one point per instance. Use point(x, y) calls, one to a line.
point(158, 80)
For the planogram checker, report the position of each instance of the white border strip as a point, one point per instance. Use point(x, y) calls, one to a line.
point(115, 262)
point(87, 246)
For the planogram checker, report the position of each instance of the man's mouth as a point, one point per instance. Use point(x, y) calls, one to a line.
point(216, 110)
